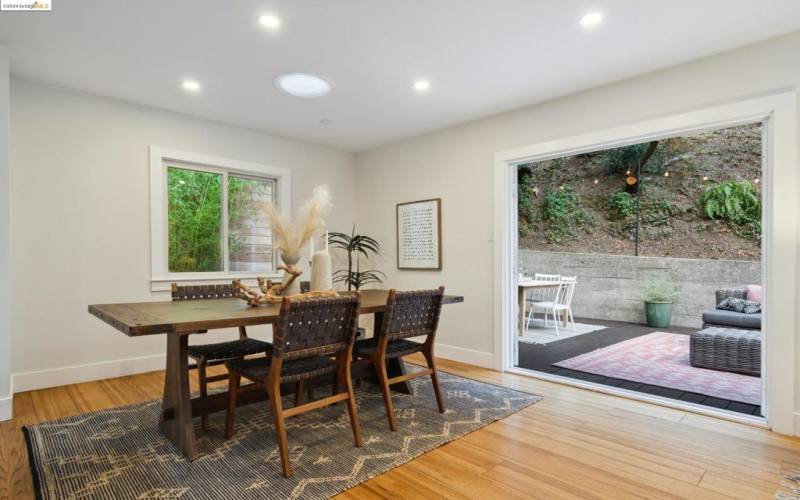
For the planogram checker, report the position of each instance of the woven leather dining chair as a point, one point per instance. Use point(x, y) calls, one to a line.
point(205, 355)
point(408, 314)
point(307, 335)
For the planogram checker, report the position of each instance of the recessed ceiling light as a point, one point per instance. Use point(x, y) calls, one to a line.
point(191, 85)
point(270, 21)
point(325, 121)
point(303, 85)
point(422, 85)
point(592, 19)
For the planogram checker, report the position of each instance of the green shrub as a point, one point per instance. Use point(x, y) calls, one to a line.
point(659, 290)
point(621, 205)
point(563, 213)
point(737, 203)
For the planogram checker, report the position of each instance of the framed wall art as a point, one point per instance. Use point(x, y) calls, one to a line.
point(419, 235)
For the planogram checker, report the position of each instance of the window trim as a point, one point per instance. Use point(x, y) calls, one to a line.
point(160, 159)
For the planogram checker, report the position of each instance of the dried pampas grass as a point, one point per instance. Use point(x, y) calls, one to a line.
point(289, 237)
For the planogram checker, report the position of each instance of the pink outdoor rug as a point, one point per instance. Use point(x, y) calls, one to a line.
point(662, 359)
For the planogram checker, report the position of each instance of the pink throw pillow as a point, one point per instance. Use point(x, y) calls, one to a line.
point(754, 293)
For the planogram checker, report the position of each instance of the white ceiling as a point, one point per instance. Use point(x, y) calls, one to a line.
point(481, 56)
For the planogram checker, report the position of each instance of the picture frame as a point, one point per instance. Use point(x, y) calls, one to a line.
point(419, 235)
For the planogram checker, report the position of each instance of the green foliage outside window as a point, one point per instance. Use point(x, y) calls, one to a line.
point(621, 205)
point(564, 214)
point(620, 160)
point(195, 220)
point(737, 203)
point(525, 201)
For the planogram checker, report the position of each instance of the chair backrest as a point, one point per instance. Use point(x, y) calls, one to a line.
point(204, 292)
point(200, 292)
point(313, 327)
point(545, 293)
point(412, 314)
point(565, 290)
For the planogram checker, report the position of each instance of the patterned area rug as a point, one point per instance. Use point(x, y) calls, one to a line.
point(120, 453)
point(790, 487)
point(662, 359)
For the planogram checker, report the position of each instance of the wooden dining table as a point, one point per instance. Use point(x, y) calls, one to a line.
point(180, 319)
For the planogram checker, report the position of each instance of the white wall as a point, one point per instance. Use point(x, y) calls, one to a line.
point(457, 163)
point(79, 168)
point(5, 244)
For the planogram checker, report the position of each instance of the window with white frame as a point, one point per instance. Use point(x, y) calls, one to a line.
point(207, 216)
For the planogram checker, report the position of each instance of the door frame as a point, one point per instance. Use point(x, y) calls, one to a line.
point(780, 188)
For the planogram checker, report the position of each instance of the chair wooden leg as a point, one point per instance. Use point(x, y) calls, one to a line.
point(437, 390)
point(383, 378)
point(298, 392)
point(280, 428)
point(202, 375)
point(335, 385)
point(234, 379)
point(352, 409)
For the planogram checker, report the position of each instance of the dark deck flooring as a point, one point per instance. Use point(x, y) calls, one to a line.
point(541, 358)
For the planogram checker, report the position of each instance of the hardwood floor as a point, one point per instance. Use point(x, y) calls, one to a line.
point(573, 444)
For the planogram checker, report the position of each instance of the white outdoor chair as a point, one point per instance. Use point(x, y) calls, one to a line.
point(541, 294)
point(561, 303)
point(544, 294)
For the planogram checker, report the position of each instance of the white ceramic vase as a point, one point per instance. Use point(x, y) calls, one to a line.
point(291, 260)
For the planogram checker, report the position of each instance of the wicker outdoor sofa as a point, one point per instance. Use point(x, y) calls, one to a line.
point(729, 341)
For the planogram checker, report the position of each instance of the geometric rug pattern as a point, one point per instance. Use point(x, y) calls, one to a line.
point(120, 453)
point(662, 359)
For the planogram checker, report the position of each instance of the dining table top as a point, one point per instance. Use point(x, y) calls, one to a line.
point(184, 316)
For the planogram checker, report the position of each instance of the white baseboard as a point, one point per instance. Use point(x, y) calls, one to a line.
point(463, 355)
point(6, 408)
point(54, 377)
point(29, 381)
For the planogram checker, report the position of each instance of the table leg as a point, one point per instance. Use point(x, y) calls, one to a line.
point(566, 324)
point(176, 415)
point(521, 298)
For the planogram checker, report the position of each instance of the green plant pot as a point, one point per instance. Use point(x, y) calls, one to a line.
point(658, 314)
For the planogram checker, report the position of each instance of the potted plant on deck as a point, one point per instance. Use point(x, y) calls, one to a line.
point(658, 296)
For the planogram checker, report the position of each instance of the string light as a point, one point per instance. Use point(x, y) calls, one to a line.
point(561, 187)
point(705, 178)
point(628, 172)
point(666, 174)
point(596, 181)
point(757, 180)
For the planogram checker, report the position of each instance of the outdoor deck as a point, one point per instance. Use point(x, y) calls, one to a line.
point(541, 358)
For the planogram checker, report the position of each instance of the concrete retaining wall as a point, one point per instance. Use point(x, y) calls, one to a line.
point(609, 286)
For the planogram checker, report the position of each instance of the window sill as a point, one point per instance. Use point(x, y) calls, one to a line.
point(164, 284)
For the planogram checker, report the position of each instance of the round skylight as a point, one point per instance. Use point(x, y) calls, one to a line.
point(303, 85)
point(270, 21)
point(422, 85)
point(592, 19)
point(191, 85)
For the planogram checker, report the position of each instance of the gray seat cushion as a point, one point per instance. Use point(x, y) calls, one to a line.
point(731, 318)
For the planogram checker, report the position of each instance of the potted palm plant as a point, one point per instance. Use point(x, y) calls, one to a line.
point(658, 296)
point(356, 245)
